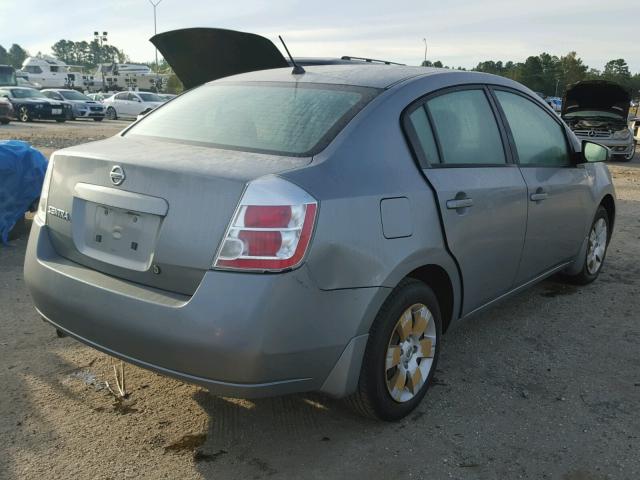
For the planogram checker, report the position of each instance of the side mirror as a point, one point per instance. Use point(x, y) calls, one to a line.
point(594, 152)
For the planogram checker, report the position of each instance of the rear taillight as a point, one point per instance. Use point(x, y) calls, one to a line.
point(41, 214)
point(271, 229)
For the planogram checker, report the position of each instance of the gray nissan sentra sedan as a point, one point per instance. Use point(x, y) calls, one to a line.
point(271, 233)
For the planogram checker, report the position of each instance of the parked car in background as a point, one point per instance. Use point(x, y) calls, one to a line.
point(555, 103)
point(131, 104)
point(81, 105)
point(167, 96)
point(598, 110)
point(99, 97)
point(31, 104)
point(270, 233)
point(6, 111)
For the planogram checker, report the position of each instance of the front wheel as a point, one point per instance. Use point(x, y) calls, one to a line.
point(98, 119)
point(23, 114)
point(628, 157)
point(401, 354)
point(111, 113)
point(597, 244)
point(61, 120)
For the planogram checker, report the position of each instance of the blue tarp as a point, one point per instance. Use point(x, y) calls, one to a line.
point(22, 170)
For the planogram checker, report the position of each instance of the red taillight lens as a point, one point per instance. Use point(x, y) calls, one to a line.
point(261, 244)
point(274, 216)
point(270, 236)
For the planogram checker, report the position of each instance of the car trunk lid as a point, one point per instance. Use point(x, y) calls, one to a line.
point(199, 55)
point(150, 211)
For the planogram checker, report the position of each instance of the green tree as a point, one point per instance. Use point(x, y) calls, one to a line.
point(617, 70)
point(63, 50)
point(17, 55)
point(531, 73)
point(4, 56)
point(174, 85)
point(572, 70)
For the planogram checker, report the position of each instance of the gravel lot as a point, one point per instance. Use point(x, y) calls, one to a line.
point(545, 385)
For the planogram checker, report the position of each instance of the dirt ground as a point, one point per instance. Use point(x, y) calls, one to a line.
point(544, 386)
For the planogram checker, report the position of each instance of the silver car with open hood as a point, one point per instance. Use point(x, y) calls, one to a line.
point(598, 110)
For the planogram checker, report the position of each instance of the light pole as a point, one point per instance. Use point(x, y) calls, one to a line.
point(101, 39)
point(155, 26)
point(424, 64)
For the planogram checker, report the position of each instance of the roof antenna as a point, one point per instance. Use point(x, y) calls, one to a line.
point(297, 69)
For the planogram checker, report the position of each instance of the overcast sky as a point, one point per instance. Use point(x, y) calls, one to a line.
point(458, 32)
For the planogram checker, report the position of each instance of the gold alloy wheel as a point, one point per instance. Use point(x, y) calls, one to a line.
point(410, 353)
point(597, 246)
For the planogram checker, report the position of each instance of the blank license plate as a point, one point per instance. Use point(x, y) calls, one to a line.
point(113, 235)
point(56, 111)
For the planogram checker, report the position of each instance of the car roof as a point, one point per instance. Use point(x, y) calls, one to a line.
point(367, 75)
point(356, 74)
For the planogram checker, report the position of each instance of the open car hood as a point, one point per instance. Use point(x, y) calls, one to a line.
point(598, 95)
point(199, 55)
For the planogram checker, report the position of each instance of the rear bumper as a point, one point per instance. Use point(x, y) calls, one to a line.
point(246, 335)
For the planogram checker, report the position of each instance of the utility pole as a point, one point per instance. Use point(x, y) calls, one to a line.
point(155, 31)
point(101, 39)
point(424, 64)
point(557, 83)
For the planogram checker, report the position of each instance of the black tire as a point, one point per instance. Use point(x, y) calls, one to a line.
point(4, 121)
point(61, 120)
point(23, 114)
point(111, 113)
point(585, 276)
point(372, 398)
point(98, 119)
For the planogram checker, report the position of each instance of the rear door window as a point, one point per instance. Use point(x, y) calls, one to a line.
point(297, 119)
point(420, 123)
point(466, 128)
point(539, 139)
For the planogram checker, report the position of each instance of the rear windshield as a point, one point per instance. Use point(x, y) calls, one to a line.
point(279, 118)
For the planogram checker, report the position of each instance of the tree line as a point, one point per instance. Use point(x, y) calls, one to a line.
point(84, 54)
point(14, 56)
point(551, 75)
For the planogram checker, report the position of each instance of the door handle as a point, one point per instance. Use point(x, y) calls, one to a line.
point(455, 204)
point(539, 196)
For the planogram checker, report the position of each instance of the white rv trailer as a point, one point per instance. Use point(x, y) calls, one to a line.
point(49, 72)
point(129, 76)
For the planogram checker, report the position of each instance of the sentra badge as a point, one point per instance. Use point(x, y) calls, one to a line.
point(58, 212)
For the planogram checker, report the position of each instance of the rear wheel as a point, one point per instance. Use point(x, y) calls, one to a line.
point(111, 113)
point(401, 353)
point(597, 244)
point(23, 114)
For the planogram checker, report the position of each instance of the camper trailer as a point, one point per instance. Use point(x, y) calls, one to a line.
point(129, 76)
